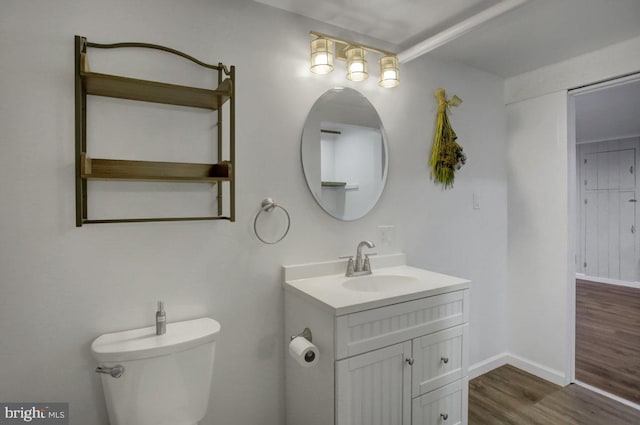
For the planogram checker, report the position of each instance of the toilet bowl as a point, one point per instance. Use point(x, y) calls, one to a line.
point(151, 379)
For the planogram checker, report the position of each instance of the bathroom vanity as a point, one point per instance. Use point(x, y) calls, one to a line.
point(392, 345)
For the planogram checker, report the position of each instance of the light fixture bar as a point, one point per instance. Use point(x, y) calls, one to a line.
point(342, 44)
point(458, 30)
point(354, 54)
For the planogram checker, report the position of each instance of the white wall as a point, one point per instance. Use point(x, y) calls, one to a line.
point(538, 213)
point(62, 286)
point(541, 161)
point(439, 230)
point(610, 62)
point(608, 113)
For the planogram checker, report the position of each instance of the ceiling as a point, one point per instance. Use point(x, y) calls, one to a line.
point(609, 113)
point(539, 33)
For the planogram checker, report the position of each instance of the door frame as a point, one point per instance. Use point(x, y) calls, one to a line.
point(573, 198)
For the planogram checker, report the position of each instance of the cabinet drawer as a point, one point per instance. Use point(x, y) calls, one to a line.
point(371, 329)
point(444, 406)
point(439, 359)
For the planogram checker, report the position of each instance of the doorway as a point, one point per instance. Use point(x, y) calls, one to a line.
point(607, 308)
point(607, 210)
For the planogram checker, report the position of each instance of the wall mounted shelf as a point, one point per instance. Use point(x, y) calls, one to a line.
point(333, 184)
point(115, 86)
point(118, 169)
point(152, 91)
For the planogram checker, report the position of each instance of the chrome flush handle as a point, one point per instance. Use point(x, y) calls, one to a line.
point(115, 371)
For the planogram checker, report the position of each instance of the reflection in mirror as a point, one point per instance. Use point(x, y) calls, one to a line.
point(344, 154)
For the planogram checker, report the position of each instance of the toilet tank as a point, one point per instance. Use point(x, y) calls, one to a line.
point(166, 379)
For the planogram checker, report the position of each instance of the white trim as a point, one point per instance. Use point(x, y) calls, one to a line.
point(573, 193)
point(609, 395)
point(572, 234)
point(605, 84)
point(457, 30)
point(590, 68)
point(487, 365)
point(609, 139)
point(542, 372)
point(608, 281)
point(537, 369)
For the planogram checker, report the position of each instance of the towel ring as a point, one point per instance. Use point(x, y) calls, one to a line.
point(268, 205)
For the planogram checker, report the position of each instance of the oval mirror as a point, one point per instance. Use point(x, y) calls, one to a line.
point(344, 153)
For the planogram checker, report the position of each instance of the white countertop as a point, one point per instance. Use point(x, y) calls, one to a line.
point(319, 283)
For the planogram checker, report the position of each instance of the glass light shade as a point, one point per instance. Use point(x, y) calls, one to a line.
point(389, 72)
point(357, 64)
point(321, 56)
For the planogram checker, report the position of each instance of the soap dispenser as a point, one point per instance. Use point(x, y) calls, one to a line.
point(161, 319)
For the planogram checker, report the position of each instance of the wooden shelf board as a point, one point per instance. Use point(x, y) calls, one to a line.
point(153, 91)
point(147, 220)
point(118, 169)
point(333, 184)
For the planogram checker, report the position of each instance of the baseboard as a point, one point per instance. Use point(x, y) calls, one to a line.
point(537, 369)
point(609, 281)
point(487, 365)
point(609, 395)
point(543, 372)
point(548, 374)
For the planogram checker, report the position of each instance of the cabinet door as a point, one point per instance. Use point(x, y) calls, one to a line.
point(375, 388)
point(444, 406)
point(439, 359)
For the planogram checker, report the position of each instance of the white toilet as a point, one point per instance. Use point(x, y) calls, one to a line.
point(151, 379)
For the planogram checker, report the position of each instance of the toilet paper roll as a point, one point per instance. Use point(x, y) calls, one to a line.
point(305, 353)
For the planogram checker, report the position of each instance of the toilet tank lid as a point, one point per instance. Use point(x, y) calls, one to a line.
point(144, 343)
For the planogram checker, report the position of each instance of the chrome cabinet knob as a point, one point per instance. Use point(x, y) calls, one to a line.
point(444, 416)
point(444, 360)
point(409, 361)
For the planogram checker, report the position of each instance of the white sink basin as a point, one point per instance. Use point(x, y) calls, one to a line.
point(379, 283)
point(391, 282)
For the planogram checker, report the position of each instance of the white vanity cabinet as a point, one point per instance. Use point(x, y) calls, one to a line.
point(376, 381)
point(384, 359)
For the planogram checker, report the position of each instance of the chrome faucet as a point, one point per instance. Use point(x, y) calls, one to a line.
point(362, 265)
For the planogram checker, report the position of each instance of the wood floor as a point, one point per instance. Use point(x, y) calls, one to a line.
point(608, 338)
point(509, 396)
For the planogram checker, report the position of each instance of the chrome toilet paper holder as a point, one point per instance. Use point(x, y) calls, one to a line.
point(306, 334)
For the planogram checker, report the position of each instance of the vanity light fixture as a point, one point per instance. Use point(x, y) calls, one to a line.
point(389, 71)
point(321, 56)
point(357, 69)
point(324, 47)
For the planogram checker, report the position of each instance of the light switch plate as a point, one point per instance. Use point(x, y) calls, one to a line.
point(386, 237)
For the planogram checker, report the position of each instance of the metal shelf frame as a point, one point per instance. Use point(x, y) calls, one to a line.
point(89, 83)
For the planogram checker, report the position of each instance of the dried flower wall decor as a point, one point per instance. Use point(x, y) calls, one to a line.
point(447, 155)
